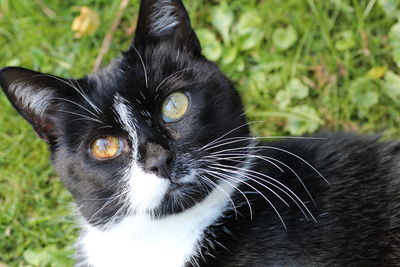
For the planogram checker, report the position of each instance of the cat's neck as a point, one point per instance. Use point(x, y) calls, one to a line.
point(143, 241)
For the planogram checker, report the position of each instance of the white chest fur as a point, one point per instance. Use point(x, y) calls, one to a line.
point(169, 242)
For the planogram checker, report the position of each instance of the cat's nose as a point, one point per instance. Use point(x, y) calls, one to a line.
point(157, 160)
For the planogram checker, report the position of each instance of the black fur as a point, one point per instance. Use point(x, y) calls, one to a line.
point(357, 214)
point(356, 209)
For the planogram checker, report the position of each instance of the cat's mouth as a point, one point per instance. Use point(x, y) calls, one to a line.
point(164, 196)
point(175, 186)
point(180, 196)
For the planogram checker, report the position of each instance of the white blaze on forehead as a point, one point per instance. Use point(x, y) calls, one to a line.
point(33, 98)
point(146, 191)
point(127, 121)
point(163, 18)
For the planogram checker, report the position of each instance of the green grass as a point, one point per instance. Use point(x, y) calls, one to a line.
point(300, 65)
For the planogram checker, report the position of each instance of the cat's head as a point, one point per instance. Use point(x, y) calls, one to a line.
point(135, 136)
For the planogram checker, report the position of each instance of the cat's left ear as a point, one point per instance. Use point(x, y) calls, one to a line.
point(165, 22)
point(34, 95)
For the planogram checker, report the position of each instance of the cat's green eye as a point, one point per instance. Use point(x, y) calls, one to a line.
point(107, 147)
point(175, 106)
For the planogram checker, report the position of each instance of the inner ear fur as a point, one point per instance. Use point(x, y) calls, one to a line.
point(33, 95)
point(165, 22)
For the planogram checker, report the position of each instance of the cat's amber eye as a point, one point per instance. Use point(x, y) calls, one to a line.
point(106, 147)
point(175, 106)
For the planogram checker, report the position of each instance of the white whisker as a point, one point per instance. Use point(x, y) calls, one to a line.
point(279, 149)
point(213, 166)
point(261, 194)
point(247, 155)
point(290, 193)
point(143, 65)
point(232, 140)
point(111, 221)
point(175, 73)
point(222, 136)
point(82, 116)
point(73, 102)
point(73, 86)
point(108, 202)
point(298, 178)
point(231, 156)
point(86, 97)
point(214, 174)
point(208, 180)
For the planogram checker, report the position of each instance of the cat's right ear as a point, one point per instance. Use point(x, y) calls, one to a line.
point(165, 22)
point(34, 94)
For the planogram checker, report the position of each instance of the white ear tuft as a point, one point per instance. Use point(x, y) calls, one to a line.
point(165, 22)
point(163, 18)
point(34, 94)
point(31, 98)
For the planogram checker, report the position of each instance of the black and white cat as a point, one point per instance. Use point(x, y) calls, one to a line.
point(159, 159)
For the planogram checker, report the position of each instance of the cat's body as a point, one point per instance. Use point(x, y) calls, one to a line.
point(357, 223)
point(159, 159)
point(357, 219)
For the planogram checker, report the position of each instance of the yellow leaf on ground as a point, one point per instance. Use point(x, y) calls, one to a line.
point(377, 72)
point(86, 23)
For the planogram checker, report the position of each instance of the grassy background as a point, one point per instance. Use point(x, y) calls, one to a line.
point(301, 66)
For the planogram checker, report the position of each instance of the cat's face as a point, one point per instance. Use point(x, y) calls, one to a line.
point(132, 137)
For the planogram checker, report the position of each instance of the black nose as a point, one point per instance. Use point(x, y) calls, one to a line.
point(157, 160)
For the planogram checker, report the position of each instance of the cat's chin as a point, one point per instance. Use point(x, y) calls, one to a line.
point(159, 196)
point(180, 197)
point(175, 188)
